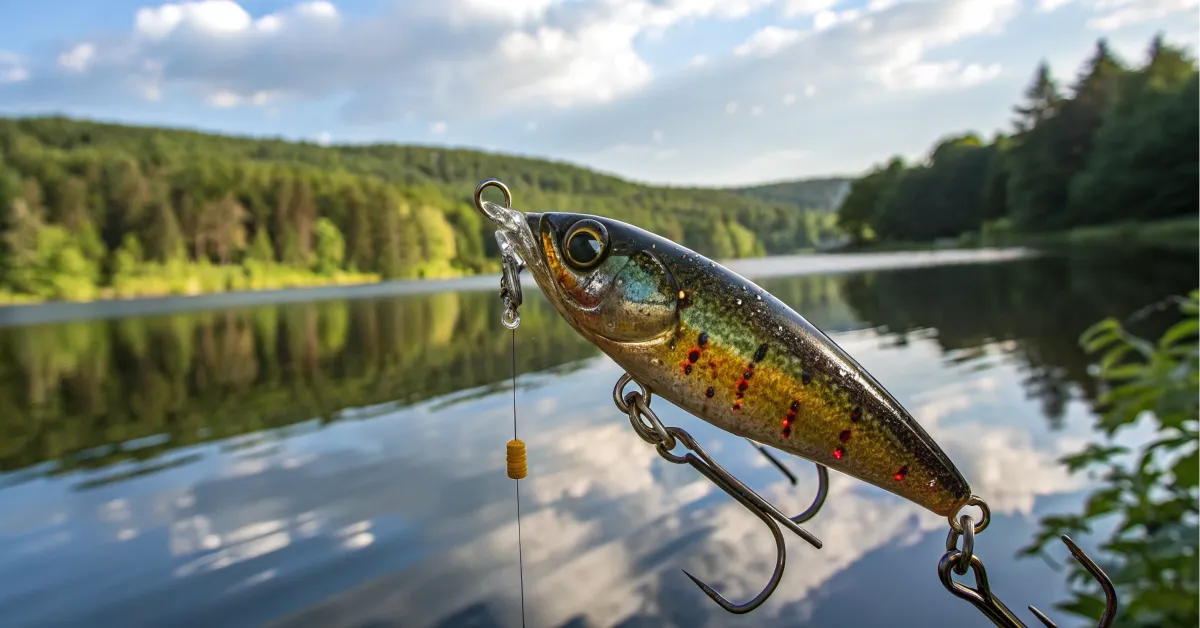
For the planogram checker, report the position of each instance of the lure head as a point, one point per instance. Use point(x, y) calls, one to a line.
point(604, 276)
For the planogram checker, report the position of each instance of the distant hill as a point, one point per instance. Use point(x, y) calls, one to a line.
point(823, 195)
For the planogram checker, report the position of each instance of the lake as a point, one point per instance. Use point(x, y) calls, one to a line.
point(339, 461)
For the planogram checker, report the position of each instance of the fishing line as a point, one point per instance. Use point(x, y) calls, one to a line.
point(517, 469)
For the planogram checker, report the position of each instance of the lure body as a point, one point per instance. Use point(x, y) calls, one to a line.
point(722, 348)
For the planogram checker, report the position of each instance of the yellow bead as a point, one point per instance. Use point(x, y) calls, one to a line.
point(516, 459)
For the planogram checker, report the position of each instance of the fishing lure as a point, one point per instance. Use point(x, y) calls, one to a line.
point(711, 342)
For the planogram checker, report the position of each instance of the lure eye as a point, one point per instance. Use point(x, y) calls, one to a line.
point(585, 243)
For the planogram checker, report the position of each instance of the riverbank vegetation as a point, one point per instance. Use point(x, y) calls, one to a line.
point(91, 210)
point(1116, 149)
point(1150, 501)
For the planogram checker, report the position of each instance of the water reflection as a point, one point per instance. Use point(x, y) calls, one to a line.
point(342, 463)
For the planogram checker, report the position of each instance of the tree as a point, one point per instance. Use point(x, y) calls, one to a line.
point(330, 249)
point(224, 227)
point(260, 248)
point(1139, 157)
point(163, 235)
point(857, 213)
point(1042, 100)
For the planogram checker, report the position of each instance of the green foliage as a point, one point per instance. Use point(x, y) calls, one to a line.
point(1139, 159)
point(1152, 492)
point(330, 249)
point(860, 209)
point(260, 249)
point(128, 256)
point(1119, 148)
point(403, 211)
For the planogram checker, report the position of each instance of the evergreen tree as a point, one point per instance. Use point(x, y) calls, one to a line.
point(1042, 100)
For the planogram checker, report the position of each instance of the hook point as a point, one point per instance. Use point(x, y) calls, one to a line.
point(737, 609)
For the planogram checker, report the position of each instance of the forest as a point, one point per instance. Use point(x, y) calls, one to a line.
point(1118, 146)
point(91, 210)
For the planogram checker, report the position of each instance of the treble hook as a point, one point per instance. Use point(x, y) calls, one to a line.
point(636, 405)
point(700, 460)
point(982, 598)
point(822, 483)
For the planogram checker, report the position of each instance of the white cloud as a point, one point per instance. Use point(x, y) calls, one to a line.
point(207, 17)
point(12, 68)
point(437, 128)
point(455, 57)
point(824, 19)
point(223, 99)
point(946, 74)
point(588, 72)
point(319, 9)
point(793, 8)
point(767, 41)
point(1117, 14)
point(77, 58)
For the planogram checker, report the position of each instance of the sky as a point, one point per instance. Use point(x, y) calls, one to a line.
point(680, 92)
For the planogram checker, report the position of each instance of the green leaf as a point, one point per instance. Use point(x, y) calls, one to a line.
point(1090, 455)
point(1191, 307)
point(1181, 330)
point(1113, 355)
point(1099, 337)
point(1126, 371)
point(1103, 502)
point(1187, 470)
point(1101, 341)
point(1107, 324)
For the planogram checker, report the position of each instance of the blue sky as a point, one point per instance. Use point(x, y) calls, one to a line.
point(666, 91)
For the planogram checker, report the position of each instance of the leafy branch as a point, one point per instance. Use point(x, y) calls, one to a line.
point(1150, 493)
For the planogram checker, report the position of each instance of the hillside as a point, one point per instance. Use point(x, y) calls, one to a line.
point(822, 195)
point(94, 207)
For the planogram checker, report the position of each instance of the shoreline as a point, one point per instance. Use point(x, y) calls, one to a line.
point(26, 314)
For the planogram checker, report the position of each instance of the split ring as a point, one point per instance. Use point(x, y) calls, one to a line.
point(491, 183)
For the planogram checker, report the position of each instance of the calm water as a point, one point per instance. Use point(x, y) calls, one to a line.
point(341, 462)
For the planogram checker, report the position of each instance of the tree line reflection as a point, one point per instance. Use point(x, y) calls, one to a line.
point(73, 391)
point(90, 394)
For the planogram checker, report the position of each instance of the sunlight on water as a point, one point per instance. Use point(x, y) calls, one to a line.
point(342, 463)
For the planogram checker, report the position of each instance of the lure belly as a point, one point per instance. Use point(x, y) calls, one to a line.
point(721, 348)
point(745, 362)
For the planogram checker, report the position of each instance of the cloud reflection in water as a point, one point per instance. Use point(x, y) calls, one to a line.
point(408, 519)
